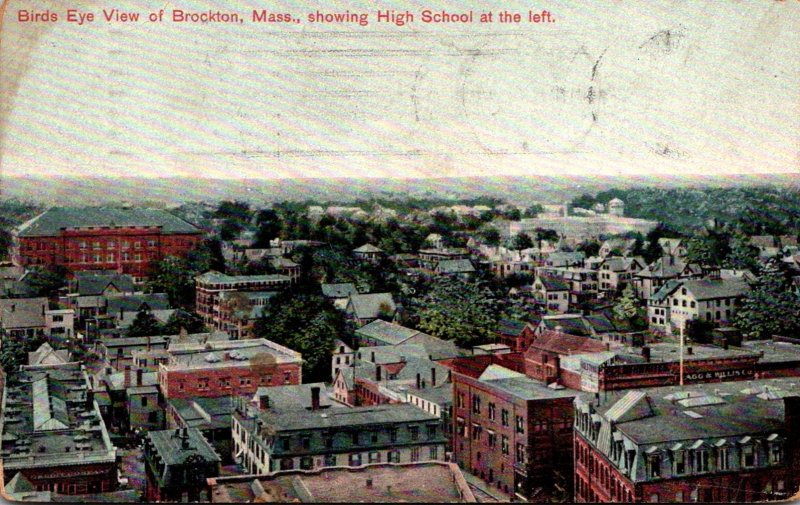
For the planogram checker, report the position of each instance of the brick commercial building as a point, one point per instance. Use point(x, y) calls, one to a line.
point(227, 368)
point(512, 431)
point(211, 285)
point(53, 433)
point(127, 240)
point(272, 438)
point(732, 442)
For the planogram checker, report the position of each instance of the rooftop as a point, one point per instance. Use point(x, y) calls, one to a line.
point(343, 290)
point(225, 353)
point(174, 447)
point(55, 219)
point(22, 312)
point(295, 420)
point(380, 483)
point(214, 277)
point(369, 306)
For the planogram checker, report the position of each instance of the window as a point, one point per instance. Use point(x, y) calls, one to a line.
point(520, 424)
point(393, 434)
point(287, 377)
point(491, 411)
point(285, 443)
point(748, 456)
point(151, 243)
point(355, 437)
point(137, 245)
point(244, 381)
point(111, 244)
point(654, 465)
point(679, 462)
point(504, 417)
point(693, 305)
point(144, 401)
point(415, 454)
point(701, 461)
point(126, 256)
point(775, 453)
point(492, 438)
point(393, 456)
point(58, 319)
point(330, 460)
point(476, 404)
point(95, 245)
point(306, 463)
point(374, 457)
point(414, 432)
point(461, 400)
point(654, 498)
point(202, 384)
point(504, 444)
point(722, 459)
point(433, 452)
point(431, 431)
point(305, 441)
point(126, 244)
point(98, 258)
point(137, 257)
point(82, 245)
point(520, 453)
point(287, 464)
point(355, 459)
point(476, 431)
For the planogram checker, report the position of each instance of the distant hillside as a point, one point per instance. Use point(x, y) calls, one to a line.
point(172, 191)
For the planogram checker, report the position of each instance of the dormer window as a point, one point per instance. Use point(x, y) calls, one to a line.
point(654, 465)
point(775, 450)
point(748, 454)
point(678, 460)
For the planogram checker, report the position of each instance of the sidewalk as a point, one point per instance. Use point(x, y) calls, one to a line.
point(495, 493)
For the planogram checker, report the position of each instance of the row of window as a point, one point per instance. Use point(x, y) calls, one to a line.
point(110, 258)
point(357, 459)
point(491, 412)
point(204, 383)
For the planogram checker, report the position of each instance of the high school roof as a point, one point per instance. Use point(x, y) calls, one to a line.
point(55, 219)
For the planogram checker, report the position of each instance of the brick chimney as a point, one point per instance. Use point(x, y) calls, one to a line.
point(139, 373)
point(646, 353)
point(433, 377)
point(127, 376)
point(315, 398)
point(419, 380)
point(263, 402)
point(378, 373)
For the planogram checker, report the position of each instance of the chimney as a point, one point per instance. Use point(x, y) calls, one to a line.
point(315, 398)
point(433, 377)
point(449, 376)
point(597, 398)
point(263, 402)
point(13, 307)
point(646, 353)
point(373, 357)
point(419, 379)
point(127, 376)
point(148, 343)
point(139, 373)
point(378, 373)
point(423, 383)
point(121, 313)
point(725, 343)
point(689, 350)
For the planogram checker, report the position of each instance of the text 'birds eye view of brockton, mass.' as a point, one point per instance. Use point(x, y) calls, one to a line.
point(460, 340)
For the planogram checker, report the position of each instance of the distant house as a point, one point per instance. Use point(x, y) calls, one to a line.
point(551, 293)
point(673, 247)
point(650, 279)
point(23, 317)
point(339, 294)
point(517, 335)
point(616, 272)
point(621, 246)
point(564, 259)
point(576, 324)
point(368, 252)
point(382, 333)
point(46, 355)
point(364, 309)
point(711, 300)
point(461, 268)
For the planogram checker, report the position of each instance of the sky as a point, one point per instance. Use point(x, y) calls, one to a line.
point(610, 88)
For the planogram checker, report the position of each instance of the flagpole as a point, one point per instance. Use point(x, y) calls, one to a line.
point(681, 366)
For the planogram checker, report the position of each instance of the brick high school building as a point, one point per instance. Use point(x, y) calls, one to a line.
point(127, 240)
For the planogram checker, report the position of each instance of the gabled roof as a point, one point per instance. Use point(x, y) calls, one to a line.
point(339, 290)
point(510, 327)
point(93, 283)
point(367, 248)
point(564, 343)
point(22, 312)
point(368, 306)
point(386, 332)
point(634, 405)
point(54, 219)
point(709, 289)
point(553, 283)
point(133, 303)
point(45, 355)
point(455, 266)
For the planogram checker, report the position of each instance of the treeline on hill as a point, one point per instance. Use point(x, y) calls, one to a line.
point(754, 210)
point(12, 213)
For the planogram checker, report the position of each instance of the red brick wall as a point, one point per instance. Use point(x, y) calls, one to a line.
point(76, 479)
point(596, 479)
point(273, 375)
point(65, 250)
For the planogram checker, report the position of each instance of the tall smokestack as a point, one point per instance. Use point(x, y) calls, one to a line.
point(315, 398)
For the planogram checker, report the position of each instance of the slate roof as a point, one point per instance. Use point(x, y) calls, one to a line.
point(459, 266)
point(132, 303)
point(343, 290)
point(216, 277)
point(666, 268)
point(388, 333)
point(22, 312)
point(553, 284)
point(526, 388)
point(302, 419)
point(54, 219)
point(168, 445)
point(368, 306)
point(204, 413)
point(297, 396)
point(92, 283)
point(707, 289)
point(45, 355)
point(510, 327)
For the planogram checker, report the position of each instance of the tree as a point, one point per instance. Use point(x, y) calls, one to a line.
point(145, 324)
point(268, 227)
point(521, 241)
point(708, 250)
point(46, 281)
point(589, 248)
point(306, 323)
point(627, 308)
point(743, 255)
point(190, 321)
point(489, 235)
point(771, 308)
point(458, 311)
point(14, 351)
point(173, 276)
